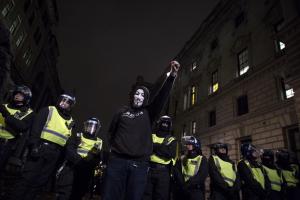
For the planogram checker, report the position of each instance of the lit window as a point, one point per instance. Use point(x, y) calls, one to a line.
point(193, 95)
point(279, 46)
point(194, 66)
point(194, 127)
point(7, 8)
point(214, 82)
point(288, 91)
point(243, 62)
point(15, 25)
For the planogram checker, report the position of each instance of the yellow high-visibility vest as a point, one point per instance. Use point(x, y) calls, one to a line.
point(56, 129)
point(87, 144)
point(226, 170)
point(191, 168)
point(157, 159)
point(257, 174)
point(290, 177)
point(274, 177)
point(4, 134)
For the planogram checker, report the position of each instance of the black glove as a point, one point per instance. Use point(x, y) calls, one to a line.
point(4, 111)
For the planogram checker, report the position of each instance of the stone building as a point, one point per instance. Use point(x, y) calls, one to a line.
point(32, 26)
point(240, 77)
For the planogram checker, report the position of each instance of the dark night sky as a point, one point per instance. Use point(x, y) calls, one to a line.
point(105, 44)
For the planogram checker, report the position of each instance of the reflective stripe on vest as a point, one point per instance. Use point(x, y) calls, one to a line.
point(191, 168)
point(3, 132)
point(226, 170)
point(157, 159)
point(274, 178)
point(55, 129)
point(290, 177)
point(87, 144)
point(257, 174)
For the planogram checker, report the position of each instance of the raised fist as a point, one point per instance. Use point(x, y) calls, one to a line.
point(174, 67)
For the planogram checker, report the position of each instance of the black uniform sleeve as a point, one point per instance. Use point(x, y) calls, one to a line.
point(177, 174)
point(38, 125)
point(249, 180)
point(17, 125)
point(165, 151)
point(216, 177)
point(200, 177)
point(71, 149)
point(161, 98)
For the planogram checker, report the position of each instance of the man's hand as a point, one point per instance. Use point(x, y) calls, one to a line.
point(174, 67)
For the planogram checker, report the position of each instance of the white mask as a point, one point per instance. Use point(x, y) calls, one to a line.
point(138, 98)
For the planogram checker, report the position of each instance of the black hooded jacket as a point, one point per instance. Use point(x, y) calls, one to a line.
point(130, 130)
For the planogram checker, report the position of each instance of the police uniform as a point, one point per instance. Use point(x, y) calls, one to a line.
point(189, 176)
point(291, 176)
point(13, 124)
point(225, 182)
point(161, 161)
point(255, 183)
point(277, 182)
point(50, 132)
point(76, 173)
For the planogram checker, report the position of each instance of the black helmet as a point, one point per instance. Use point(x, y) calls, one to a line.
point(191, 140)
point(283, 156)
point(247, 149)
point(66, 98)
point(25, 91)
point(164, 124)
point(91, 126)
point(218, 146)
point(267, 157)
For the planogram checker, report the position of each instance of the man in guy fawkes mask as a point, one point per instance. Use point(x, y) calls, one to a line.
point(274, 175)
point(131, 142)
point(50, 131)
point(161, 161)
point(16, 118)
point(256, 184)
point(82, 156)
point(225, 182)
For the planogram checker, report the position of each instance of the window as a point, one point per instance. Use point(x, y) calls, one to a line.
point(8, 7)
point(279, 46)
point(193, 95)
point(31, 18)
point(20, 38)
point(212, 118)
point(243, 62)
point(214, 82)
point(292, 141)
point(239, 19)
point(175, 108)
point(194, 66)
point(214, 44)
point(15, 24)
point(183, 130)
point(242, 105)
point(288, 91)
point(185, 106)
point(193, 127)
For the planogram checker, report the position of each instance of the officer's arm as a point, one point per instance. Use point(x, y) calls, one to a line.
point(202, 174)
point(39, 122)
point(165, 151)
point(177, 173)
point(18, 125)
point(237, 183)
point(249, 180)
point(71, 149)
point(215, 175)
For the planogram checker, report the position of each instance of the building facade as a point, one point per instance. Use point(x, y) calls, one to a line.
point(32, 26)
point(240, 77)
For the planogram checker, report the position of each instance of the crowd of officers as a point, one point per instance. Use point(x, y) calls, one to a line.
point(54, 149)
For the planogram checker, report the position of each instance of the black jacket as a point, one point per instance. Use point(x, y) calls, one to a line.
point(130, 130)
point(165, 151)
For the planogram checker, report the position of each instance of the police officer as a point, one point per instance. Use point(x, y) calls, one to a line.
point(274, 175)
point(190, 172)
point(225, 182)
point(289, 173)
point(15, 120)
point(50, 131)
point(256, 184)
point(82, 156)
point(163, 157)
